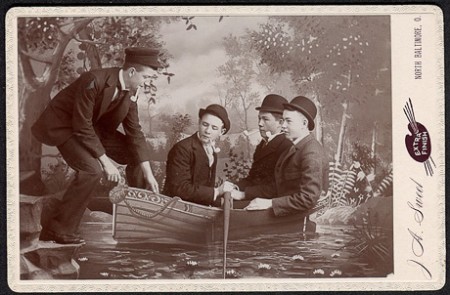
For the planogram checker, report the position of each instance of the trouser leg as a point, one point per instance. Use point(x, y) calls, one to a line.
point(117, 149)
point(66, 217)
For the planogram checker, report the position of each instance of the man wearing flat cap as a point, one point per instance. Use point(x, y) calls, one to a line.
point(272, 145)
point(301, 172)
point(82, 121)
point(191, 163)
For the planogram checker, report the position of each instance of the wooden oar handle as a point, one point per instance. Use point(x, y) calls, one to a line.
point(227, 200)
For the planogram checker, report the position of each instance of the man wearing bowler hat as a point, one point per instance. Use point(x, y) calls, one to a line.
point(301, 172)
point(82, 121)
point(273, 143)
point(191, 163)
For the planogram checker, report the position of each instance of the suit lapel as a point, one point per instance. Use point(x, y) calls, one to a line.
point(199, 151)
point(271, 147)
point(293, 149)
point(108, 91)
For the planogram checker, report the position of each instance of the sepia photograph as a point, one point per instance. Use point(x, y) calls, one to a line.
point(194, 146)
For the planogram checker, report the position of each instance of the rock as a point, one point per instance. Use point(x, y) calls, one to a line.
point(99, 216)
point(380, 209)
point(38, 259)
point(30, 220)
point(50, 261)
point(341, 215)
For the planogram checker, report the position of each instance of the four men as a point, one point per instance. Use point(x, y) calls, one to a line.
point(289, 169)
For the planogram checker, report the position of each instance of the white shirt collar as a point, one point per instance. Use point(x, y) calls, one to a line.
point(272, 136)
point(121, 81)
point(298, 139)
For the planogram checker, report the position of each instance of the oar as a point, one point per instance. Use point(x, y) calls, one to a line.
point(227, 206)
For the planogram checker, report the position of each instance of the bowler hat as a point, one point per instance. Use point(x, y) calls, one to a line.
point(144, 56)
point(305, 106)
point(218, 111)
point(272, 103)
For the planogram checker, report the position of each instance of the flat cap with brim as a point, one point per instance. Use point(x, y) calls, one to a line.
point(218, 111)
point(305, 106)
point(272, 103)
point(143, 56)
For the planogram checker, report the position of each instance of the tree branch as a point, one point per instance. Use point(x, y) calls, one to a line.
point(28, 72)
point(75, 21)
point(88, 41)
point(41, 58)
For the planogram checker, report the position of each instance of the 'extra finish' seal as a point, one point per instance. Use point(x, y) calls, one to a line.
point(418, 143)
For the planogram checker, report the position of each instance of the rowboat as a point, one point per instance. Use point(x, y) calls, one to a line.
point(142, 216)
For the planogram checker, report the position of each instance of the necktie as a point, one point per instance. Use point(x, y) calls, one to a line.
point(120, 96)
point(209, 153)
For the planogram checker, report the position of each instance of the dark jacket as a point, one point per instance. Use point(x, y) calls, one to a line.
point(263, 167)
point(188, 174)
point(301, 174)
point(83, 109)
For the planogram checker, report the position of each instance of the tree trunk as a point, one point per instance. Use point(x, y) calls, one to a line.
point(32, 104)
point(91, 52)
point(33, 99)
point(319, 127)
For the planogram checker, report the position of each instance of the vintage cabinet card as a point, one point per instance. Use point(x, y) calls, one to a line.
point(353, 201)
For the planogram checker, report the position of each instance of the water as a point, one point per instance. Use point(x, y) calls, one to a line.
point(275, 256)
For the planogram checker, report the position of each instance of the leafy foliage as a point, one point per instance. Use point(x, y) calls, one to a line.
point(40, 33)
point(179, 124)
point(362, 154)
point(67, 72)
point(237, 167)
point(371, 243)
point(334, 60)
point(57, 177)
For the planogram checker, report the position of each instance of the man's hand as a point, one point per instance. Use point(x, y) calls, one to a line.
point(237, 195)
point(259, 204)
point(148, 175)
point(229, 186)
point(112, 173)
point(153, 183)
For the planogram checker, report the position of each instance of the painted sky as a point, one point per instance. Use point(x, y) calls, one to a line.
point(196, 56)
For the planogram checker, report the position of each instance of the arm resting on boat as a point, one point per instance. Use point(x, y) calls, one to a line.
point(309, 189)
point(265, 191)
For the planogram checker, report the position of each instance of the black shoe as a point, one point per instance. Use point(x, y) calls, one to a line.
point(49, 235)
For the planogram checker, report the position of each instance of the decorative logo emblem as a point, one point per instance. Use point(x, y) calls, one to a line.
point(418, 143)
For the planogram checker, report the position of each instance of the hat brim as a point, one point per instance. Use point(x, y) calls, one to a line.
point(269, 110)
point(226, 125)
point(290, 106)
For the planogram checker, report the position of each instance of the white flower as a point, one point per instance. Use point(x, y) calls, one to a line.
point(318, 271)
point(298, 257)
point(264, 266)
point(336, 272)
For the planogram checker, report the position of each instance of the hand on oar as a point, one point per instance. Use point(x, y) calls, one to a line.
point(237, 195)
point(259, 204)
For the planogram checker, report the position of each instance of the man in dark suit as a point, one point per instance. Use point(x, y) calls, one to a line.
point(273, 143)
point(191, 163)
point(301, 172)
point(82, 121)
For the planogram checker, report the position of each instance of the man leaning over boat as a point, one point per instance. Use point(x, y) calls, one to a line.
point(300, 172)
point(191, 163)
point(82, 121)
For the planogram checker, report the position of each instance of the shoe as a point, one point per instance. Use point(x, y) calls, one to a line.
point(49, 235)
